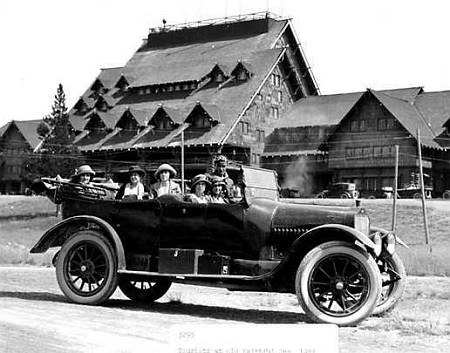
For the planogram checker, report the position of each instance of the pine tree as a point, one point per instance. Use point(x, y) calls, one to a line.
point(57, 154)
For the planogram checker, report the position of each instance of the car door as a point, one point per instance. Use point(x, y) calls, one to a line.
point(224, 229)
point(138, 223)
point(182, 223)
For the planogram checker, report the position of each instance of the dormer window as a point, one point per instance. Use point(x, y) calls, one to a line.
point(202, 122)
point(128, 122)
point(95, 124)
point(163, 123)
point(219, 78)
point(241, 73)
point(122, 84)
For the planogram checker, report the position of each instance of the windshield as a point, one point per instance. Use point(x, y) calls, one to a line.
point(260, 183)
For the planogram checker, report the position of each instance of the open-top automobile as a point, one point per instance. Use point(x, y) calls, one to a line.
point(340, 268)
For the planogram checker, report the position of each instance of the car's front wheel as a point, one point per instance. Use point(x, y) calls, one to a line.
point(86, 268)
point(145, 290)
point(393, 276)
point(338, 283)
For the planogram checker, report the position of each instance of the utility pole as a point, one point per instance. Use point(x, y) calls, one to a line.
point(394, 205)
point(422, 187)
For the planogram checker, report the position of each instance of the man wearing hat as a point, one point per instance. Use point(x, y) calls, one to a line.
point(199, 185)
point(220, 170)
point(165, 185)
point(135, 189)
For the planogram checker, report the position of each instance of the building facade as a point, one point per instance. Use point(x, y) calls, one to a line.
point(17, 140)
point(212, 87)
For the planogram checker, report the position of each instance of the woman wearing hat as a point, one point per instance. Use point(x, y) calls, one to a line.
point(200, 184)
point(217, 189)
point(83, 175)
point(135, 188)
point(165, 185)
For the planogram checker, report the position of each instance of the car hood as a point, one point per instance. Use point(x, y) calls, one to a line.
point(288, 215)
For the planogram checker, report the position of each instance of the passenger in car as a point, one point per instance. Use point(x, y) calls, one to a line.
point(135, 189)
point(200, 184)
point(165, 184)
point(83, 175)
point(220, 170)
point(217, 190)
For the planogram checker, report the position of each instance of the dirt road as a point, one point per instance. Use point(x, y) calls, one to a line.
point(35, 317)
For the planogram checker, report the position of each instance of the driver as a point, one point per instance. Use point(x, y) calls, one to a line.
point(220, 170)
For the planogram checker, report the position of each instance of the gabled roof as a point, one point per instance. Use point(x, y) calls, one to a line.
point(409, 116)
point(320, 110)
point(435, 108)
point(28, 130)
point(4, 128)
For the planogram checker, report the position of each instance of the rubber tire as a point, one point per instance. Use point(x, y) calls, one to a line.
point(417, 196)
point(385, 306)
point(308, 264)
point(371, 197)
point(157, 290)
point(105, 247)
point(446, 195)
point(345, 196)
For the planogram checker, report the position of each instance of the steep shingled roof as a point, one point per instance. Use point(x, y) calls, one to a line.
point(435, 108)
point(28, 130)
point(320, 110)
point(409, 116)
point(188, 61)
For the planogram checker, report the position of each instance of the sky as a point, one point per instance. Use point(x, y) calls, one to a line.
point(350, 45)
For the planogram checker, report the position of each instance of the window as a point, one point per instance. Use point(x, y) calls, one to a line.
point(163, 124)
point(390, 124)
point(382, 124)
point(255, 158)
point(202, 122)
point(280, 97)
point(275, 80)
point(275, 113)
point(260, 135)
point(358, 125)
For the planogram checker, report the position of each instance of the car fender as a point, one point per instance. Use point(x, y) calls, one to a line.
point(321, 232)
point(60, 232)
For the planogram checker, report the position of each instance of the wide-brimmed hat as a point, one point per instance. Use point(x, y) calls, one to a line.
point(136, 169)
point(200, 178)
point(216, 180)
point(166, 167)
point(84, 169)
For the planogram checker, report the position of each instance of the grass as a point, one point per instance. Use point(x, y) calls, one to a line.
point(23, 220)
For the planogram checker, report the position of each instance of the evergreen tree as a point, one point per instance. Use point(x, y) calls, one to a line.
point(57, 154)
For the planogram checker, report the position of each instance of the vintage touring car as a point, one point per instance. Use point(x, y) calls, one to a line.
point(340, 269)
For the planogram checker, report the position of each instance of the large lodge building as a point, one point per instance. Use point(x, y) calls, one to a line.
point(242, 87)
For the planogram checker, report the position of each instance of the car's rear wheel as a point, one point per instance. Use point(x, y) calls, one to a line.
point(371, 197)
point(417, 196)
point(393, 277)
point(145, 290)
point(86, 268)
point(446, 194)
point(338, 283)
point(345, 196)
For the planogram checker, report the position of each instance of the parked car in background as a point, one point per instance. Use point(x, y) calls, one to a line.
point(446, 194)
point(340, 267)
point(339, 190)
point(386, 192)
point(414, 192)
